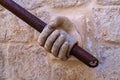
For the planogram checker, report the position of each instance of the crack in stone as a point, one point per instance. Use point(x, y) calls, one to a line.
point(5, 35)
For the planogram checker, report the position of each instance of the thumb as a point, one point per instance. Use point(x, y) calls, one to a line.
point(62, 23)
point(56, 22)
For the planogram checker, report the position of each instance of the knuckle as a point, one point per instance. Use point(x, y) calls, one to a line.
point(55, 45)
point(52, 25)
point(66, 44)
point(49, 40)
point(62, 36)
point(57, 31)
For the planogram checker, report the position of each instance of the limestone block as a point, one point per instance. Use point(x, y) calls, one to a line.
point(108, 2)
point(2, 61)
point(67, 3)
point(43, 14)
point(107, 24)
point(13, 29)
point(71, 70)
point(27, 62)
point(109, 58)
point(66, 72)
point(31, 4)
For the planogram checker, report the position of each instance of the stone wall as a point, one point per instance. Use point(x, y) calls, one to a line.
point(21, 57)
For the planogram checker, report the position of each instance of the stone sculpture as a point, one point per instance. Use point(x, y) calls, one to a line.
point(57, 37)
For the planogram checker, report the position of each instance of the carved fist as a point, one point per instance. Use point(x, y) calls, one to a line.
point(57, 37)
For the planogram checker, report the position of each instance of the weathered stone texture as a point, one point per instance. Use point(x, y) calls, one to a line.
point(13, 29)
point(22, 60)
point(108, 2)
point(43, 14)
point(67, 3)
point(2, 60)
point(64, 73)
point(71, 70)
point(31, 4)
point(27, 62)
point(109, 58)
point(107, 24)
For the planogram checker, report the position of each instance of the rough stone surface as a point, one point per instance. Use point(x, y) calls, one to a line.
point(13, 29)
point(67, 3)
point(21, 58)
point(2, 61)
point(69, 71)
point(31, 4)
point(108, 2)
point(27, 62)
point(109, 58)
point(107, 24)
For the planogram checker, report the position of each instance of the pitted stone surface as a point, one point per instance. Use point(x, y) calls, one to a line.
point(109, 63)
point(2, 60)
point(27, 62)
point(62, 72)
point(13, 29)
point(107, 24)
point(67, 3)
point(71, 70)
point(31, 4)
point(22, 59)
point(108, 2)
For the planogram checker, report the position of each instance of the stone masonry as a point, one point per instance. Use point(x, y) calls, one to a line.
point(98, 25)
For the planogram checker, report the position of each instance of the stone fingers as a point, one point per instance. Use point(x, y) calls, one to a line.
point(44, 35)
point(54, 24)
point(58, 42)
point(57, 45)
point(63, 51)
point(51, 39)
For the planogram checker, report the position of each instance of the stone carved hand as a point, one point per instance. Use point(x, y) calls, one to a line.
point(58, 37)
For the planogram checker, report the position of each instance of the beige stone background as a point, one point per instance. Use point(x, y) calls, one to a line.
point(21, 57)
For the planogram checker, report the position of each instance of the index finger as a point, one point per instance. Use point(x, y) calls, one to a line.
point(44, 34)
